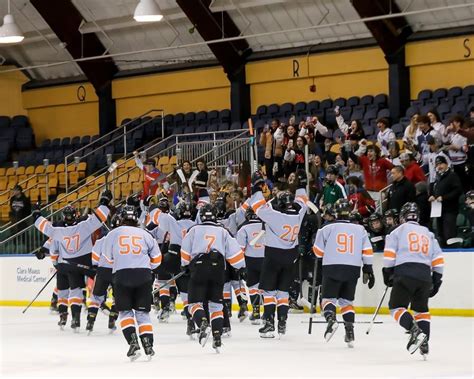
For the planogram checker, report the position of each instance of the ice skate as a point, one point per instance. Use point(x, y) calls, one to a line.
point(148, 347)
point(62, 320)
point(255, 316)
point(204, 332)
point(331, 327)
point(216, 341)
point(294, 307)
point(243, 313)
point(112, 327)
point(417, 337)
point(424, 349)
point(54, 305)
point(90, 323)
point(134, 350)
point(349, 336)
point(156, 303)
point(190, 329)
point(281, 328)
point(76, 323)
point(268, 329)
point(164, 315)
point(226, 332)
point(172, 307)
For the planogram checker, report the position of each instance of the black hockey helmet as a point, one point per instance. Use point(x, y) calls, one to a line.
point(409, 212)
point(185, 210)
point(250, 214)
point(391, 213)
point(286, 201)
point(69, 214)
point(355, 217)
point(163, 204)
point(342, 209)
point(116, 219)
point(208, 213)
point(129, 213)
point(375, 222)
point(329, 210)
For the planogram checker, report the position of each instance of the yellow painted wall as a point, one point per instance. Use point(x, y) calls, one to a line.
point(337, 74)
point(10, 92)
point(183, 91)
point(56, 112)
point(440, 63)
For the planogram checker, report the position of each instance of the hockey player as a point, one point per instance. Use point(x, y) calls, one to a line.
point(133, 254)
point(282, 220)
point(72, 252)
point(103, 280)
point(205, 250)
point(390, 220)
point(254, 255)
point(413, 267)
point(376, 231)
point(342, 248)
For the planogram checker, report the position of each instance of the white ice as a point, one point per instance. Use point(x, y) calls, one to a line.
point(33, 346)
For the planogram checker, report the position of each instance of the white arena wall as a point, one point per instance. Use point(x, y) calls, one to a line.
point(22, 276)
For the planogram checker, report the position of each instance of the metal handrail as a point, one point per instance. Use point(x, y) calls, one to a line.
point(25, 189)
point(123, 135)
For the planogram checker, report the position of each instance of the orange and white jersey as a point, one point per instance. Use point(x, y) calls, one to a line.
point(343, 243)
point(75, 240)
point(202, 238)
point(247, 232)
point(131, 247)
point(98, 259)
point(411, 243)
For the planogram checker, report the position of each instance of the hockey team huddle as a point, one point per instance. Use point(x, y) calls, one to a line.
point(148, 251)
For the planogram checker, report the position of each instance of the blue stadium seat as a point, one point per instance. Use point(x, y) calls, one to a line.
point(286, 110)
point(150, 131)
point(300, 107)
point(443, 109)
point(337, 134)
point(224, 115)
point(20, 121)
point(440, 93)
point(169, 121)
point(411, 111)
point(325, 104)
point(201, 118)
point(358, 112)
point(368, 130)
point(346, 112)
point(178, 119)
point(76, 142)
point(455, 92)
point(313, 106)
point(261, 110)
point(4, 151)
point(8, 135)
point(85, 140)
point(236, 125)
point(190, 119)
point(425, 109)
point(417, 103)
point(66, 141)
point(468, 91)
point(55, 143)
point(371, 112)
point(381, 99)
point(273, 110)
point(340, 102)
point(353, 101)
point(95, 137)
point(433, 103)
point(4, 122)
point(462, 100)
point(200, 130)
point(425, 94)
point(366, 100)
point(213, 117)
point(398, 129)
point(24, 138)
point(459, 109)
point(404, 121)
point(330, 117)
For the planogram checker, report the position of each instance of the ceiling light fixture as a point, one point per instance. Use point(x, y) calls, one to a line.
point(147, 11)
point(9, 31)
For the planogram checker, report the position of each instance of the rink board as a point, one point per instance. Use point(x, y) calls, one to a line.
point(22, 276)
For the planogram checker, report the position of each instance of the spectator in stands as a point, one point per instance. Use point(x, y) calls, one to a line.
point(375, 169)
point(341, 167)
point(401, 191)
point(421, 200)
point(385, 135)
point(413, 171)
point(202, 177)
point(153, 178)
point(332, 189)
point(294, 158)
point(468, 130)
point(271, 139)
point(354, 170)
point(447, 189)
point(394, 153)
point(434, 144)
point(457, 150)
point(436, 124)
point(20, 208)
point(411, 133)
point(244, 177)
point(424, 124)
point(359, 197)
point(318, 173)
point(355, 129)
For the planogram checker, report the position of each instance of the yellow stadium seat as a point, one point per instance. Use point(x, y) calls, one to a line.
point(53, 183)
point(30, 170)
point(71, 197)
point(71, 167)
point(73, 177)
point(167, 169)
point(12, 181)
point(22, 178)
point(20, 171)
point(401, 144)
point(39, 169)
point(60, 167)
point(3, 183)
point(34, 194)
point(5, 212)
point(116, 191)
point(134, 177)
point(43, 194)
point(51, 168)
point(10, 171)
point(130, 163)
point(81, 169)
point(172, 160)
point(137, 187)
point(94, 195)
point(126, 189)
point(2, 171)
point(123, 178)
point(163, 160)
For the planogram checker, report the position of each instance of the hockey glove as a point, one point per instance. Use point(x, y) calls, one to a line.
point(242, 273)
point(105, 198)
point(148, 200)
point(185, 269)
point(436, 278)
point(302, 178)
point(133, 200)
point(388, 276)
point(319, 271)
point(36, 213)
point(368, 276)
point(41, 253)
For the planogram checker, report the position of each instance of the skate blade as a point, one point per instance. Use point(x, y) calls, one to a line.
point(61, 328)
point(226, 335)
point(89, 332)
point(111, 331)
point(76, 330)
point(350, 344)
point(328, 336)
point(255, 322)
point(243, 317)
point(204, 340)
point(217, 349)
point(425, 357)
point(267, 335)
point(135, 356)
point(163, 321)
point(281, 336)
point(419, 340)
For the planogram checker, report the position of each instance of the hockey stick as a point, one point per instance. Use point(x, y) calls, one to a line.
point(192, 178)
point(177, 276)
point(252, 146)
point(41, 290)
point(301, 301)
point(260, 234)
point(342, 322)
point(377, 310)
point(111, 169)
point(313, 297)
point(89, 269)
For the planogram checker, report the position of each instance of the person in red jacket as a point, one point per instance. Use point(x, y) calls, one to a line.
point(359, 198)
point(413, 172)
point(154, 178)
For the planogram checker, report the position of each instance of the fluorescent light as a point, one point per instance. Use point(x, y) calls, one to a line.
point(147, 11)
point(9, 31)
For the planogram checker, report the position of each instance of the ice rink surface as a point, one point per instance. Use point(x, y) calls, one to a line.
point(33, 346)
